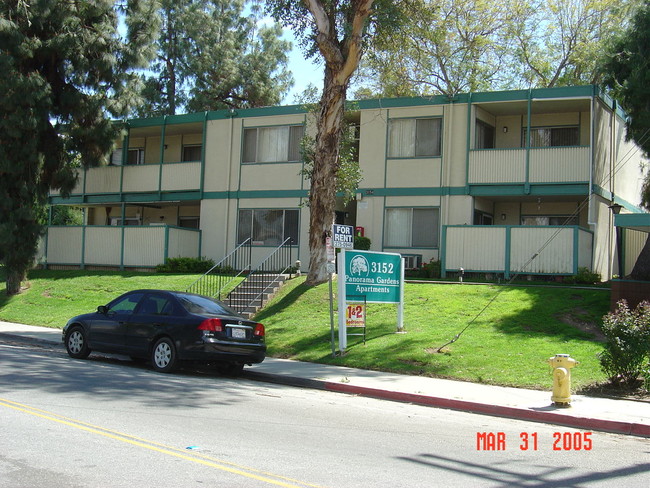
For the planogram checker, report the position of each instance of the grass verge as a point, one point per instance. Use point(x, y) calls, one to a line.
point(508, 344)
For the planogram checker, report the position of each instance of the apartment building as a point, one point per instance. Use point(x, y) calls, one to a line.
point(498, 183)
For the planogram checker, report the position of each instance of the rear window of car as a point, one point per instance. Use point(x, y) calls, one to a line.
point(203, 305)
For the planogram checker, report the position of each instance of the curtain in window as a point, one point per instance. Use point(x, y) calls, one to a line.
point(425, 227)
point(427, 137)
point(401, 138)
point(250, 146)
point(273, 144)
point(295, 137)
point(398, 227)
point(245, 225)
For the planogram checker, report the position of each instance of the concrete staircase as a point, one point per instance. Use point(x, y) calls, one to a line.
point(256, 290)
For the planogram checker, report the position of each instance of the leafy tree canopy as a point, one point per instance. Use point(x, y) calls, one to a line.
point(65, 72)
point(215, 54)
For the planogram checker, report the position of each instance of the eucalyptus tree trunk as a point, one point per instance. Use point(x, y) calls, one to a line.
point(341, 60)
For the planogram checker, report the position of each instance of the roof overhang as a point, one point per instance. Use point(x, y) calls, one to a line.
point(635, 221)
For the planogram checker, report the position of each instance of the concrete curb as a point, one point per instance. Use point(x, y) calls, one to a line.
point(587, 423)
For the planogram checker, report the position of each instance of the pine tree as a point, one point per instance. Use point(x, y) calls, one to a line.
point(65, 73)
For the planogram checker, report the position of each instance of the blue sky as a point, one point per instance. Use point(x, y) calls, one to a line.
point(304, 71)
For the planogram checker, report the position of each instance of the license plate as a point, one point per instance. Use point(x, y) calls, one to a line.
point(238, 333)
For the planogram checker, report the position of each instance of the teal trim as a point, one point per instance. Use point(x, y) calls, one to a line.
point(83, 247)
point(508, 252)
point(122, 247)
point(579, 189)
point(163, 131)
point(576, 248)
point(166, 251)
point(468, 142)
point(204, 139)
point(528, 117)
point(607, 195)
point(632, 220)
point(442, 253)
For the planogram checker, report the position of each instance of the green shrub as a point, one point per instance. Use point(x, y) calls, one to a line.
point(627, 353)
point(185, 265)
point(427, 270)
point(361, 243)
point(584, 276)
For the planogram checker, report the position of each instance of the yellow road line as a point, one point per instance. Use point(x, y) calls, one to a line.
point(161, 448)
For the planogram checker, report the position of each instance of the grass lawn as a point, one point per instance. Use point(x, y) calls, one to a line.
point(508, 344)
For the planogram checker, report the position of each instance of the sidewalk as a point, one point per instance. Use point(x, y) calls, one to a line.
point(588, 413)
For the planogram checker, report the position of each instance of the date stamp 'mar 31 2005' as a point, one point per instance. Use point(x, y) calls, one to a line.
point(529, 441)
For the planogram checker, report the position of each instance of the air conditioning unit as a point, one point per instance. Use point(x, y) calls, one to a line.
point(412, 261)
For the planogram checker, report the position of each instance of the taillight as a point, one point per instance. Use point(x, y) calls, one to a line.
point(259, 330)
point(211, 325)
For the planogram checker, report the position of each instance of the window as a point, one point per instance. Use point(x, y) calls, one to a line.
point(413, 138)
point(482, 218)
point(127, 221)
point(191, 153)
point(411, 227)
point(189, 222)
point(552, 136)
point(484, 135)
point(125, 304)
point(273, 144)
point(549, 220)
point(268, 227)
point(135, 156)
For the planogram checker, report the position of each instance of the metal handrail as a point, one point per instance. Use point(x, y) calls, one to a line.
point(273, 266)
point(203, 285)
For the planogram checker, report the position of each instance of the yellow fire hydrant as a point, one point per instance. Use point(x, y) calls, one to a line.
point(562, 364)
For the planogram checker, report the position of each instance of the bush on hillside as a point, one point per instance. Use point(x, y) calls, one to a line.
point(185, 265)
point(627, 354)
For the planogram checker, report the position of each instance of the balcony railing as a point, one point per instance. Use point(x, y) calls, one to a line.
point(140, 178)
point(543, 165)
point(118, 246)
point(544, 250)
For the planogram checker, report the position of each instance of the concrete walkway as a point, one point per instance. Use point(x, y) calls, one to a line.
point(586, 412)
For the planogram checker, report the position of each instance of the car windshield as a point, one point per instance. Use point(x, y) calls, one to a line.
point(203, 305)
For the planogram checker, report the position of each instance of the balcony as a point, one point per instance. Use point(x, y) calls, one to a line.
point(529, 250)
point(541, 165)
point(118, 246)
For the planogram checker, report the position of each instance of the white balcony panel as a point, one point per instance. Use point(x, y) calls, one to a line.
point(181, 176)
point(139, 178)
point(476, 248)
point(144, 246)
point(64, 245)
point(585, 249)
point(183, 243)
point(559, 164)
point(497, 166)
point(103, 245)
point(102, 180)
point(553, 246)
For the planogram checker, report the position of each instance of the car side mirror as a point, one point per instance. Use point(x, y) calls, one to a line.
point(103, 309)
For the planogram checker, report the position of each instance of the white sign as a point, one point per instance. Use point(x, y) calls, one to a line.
point(343, 236)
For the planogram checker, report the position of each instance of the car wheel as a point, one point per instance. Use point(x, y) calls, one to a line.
point(76, 343)
point(163, 356)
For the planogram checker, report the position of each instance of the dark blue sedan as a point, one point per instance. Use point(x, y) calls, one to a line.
point(167, 327)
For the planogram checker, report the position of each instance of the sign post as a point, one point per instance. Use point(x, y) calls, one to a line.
point(379, 276)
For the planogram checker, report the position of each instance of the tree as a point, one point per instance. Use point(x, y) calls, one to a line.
point(559, 42)
point(453, 46)
point(627, 74)
point(212, 56)
point(338, 31)
point(65, 71)
point(447, 47)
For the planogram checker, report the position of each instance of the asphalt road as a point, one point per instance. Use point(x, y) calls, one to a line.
point(109, 422)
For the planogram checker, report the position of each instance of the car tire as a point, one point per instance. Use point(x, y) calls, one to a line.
point(163, 356)
point(76, 343)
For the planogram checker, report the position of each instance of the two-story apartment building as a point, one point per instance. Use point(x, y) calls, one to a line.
point(502, 182)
